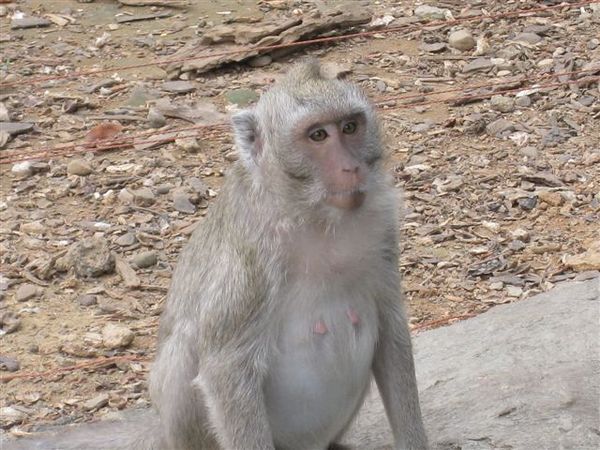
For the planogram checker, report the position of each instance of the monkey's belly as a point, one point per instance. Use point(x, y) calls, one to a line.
point(319, 377)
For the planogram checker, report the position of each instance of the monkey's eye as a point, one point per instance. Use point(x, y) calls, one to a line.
point(318, 135)
point(349, 128)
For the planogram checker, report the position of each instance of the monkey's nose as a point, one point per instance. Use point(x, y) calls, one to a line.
point(353, 169)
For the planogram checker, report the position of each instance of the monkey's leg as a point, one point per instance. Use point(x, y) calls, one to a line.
point(394, 372)
point(232, 387)
point(183, 416)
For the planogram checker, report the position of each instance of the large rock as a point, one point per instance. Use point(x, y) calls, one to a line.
point(522, 376)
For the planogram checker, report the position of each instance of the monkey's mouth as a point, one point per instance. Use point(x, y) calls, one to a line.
point(347, 199)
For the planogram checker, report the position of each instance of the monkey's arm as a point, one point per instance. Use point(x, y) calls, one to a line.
point(394, 369)
point(233, 352)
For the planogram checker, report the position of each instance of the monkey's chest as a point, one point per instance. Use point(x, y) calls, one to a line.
point(322, 365)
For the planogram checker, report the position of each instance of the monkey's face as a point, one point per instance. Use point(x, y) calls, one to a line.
point(335, 146)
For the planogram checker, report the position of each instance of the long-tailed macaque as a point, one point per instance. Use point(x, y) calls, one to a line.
point(286, 300)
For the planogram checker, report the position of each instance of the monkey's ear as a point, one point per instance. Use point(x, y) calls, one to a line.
point(247, 136)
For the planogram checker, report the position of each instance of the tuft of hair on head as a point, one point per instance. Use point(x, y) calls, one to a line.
point(306, 71)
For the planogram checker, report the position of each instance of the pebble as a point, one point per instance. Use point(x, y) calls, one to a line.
point(9, 364)
point(479, 64)
point(29, 22)
point(116, 336)
point(461, 40)
point(260, 61)
point(178, 87)
point(527, 203)
point(188, 144)
point(182, 203)
point(502, 104)
point(164, 188)
point(529, 38)
point(125, 196)
point(87, 300)
point(516, 245)
point(96, 403)
point(22, 169)
point(14, 128)
point(588, 260)
point(514, 291)
point(496, 285)
point(11, 416)
point(79, 167)
point(26, 292)
point(143, 196)
point(241, 97)
point(523, 101)
point(90, 257)
point(145, 259)
point(520, 233)
point(430, 12)
point(552, 198)
point(126, 240)
point(499, 126)
point(155, 118)
point(530, 152)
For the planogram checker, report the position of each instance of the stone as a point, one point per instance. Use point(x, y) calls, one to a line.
point(29, 22)
point(140, 96)
point(241, 97)
point(521, 234)
point(188, 144)
point(499, 126)
point(182, 203)
point(178, 87)
point(544, 178)
point(502, 104)
point(527, 203)
point(116, 336)
point(523, 101)
point(514, 291)
point(79, 167)
point(477, 65)
point(155, 118)
point(260, 61)
point(14, 128)
point(490, 377)
point(550, 197)
point(87, 300)
point(9, 364)
point(126, 240)
point(529, 38)
point(95, 403)
point(435, 47)
point(588, 260)
point(27, 291)
point(461, 40)
point(125, 196)
point(10, 416)
point(90, 257)
point(143, 197)
point(126, 272)
point(430, 12)
point(22, 169)
point(145, 259)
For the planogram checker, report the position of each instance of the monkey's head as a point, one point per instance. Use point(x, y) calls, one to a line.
point(317, 138)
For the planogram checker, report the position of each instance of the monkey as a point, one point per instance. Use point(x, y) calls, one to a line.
point(286, 302)
point(287, 298)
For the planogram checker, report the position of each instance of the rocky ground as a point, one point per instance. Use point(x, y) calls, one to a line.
point(501, 182)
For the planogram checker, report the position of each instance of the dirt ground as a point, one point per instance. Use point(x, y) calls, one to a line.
point(501, 193)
